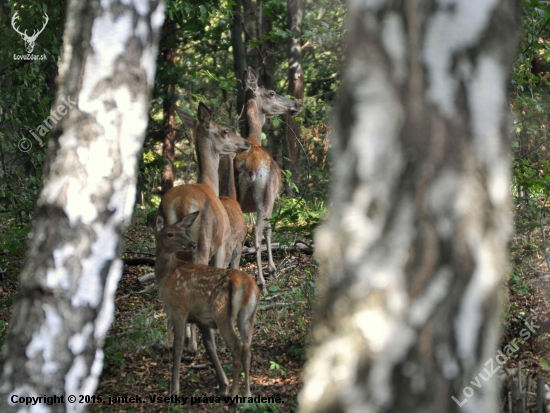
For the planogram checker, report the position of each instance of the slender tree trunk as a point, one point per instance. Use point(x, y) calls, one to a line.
point(295, 10)
point(64, 305)
point(267, 76)
point(250, 9)
point(267, 64)
point(239, 56)
point(168, 122)
point(168, 145)
point(414, 251)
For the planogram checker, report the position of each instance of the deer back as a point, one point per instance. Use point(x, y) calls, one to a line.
point(258, 178)
point(208, 294)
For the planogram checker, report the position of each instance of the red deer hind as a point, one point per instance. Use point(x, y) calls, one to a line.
point(228, 197)
point(212, 229)
point(257, 174)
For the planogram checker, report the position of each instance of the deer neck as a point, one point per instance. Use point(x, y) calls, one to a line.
point(208, 160)
point(227, 178)
point(254, 119)
point(165, 263)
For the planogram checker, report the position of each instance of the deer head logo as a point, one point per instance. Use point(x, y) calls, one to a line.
point(29, 40)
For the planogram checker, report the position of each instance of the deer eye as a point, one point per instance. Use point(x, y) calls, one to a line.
point(271, 94)
point(225, 132)
point(170, 235)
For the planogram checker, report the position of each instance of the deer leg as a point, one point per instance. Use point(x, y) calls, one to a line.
point(227, 331)
point(258, 229)
point(245, 323)
point(210, 346)
point(179, 327)
point(264, 214)
point(191, 330)
point(218, 259)
point(168, 330)
point(270, 264)
point(191, 338)
point(236, 256)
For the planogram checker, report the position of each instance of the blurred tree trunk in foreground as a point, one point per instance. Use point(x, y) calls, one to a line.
point(415, 249)
point(64, 306)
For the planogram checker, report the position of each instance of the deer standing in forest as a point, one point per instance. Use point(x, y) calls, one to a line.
point(258, 176)
point(228, 196)
point(208, 296)
point(212, 230)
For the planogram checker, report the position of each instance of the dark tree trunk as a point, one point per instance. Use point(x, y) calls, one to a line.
point(267, 76)
point(64, 305)
point(250, 10)
point(168, 123)
point(414, 251)
point(295, 10)
point(267, 64)
point(168, 147)
point(239, 56)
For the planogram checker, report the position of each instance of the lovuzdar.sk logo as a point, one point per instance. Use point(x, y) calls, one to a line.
point(29, 40)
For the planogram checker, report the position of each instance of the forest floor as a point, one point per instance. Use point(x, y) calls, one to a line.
point(526, 323)
point(137, 364)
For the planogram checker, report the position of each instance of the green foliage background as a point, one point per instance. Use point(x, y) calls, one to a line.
point(204, 72)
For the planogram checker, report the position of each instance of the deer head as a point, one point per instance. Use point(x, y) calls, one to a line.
point(225, 141)
point(29, 40)
point(269, 102)
point(174, 238)
point(222, 140)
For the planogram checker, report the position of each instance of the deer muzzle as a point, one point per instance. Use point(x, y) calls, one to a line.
point(297, 108)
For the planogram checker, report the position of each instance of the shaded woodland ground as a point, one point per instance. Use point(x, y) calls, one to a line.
point(136, 362)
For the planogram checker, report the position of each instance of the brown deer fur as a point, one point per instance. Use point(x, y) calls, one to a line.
point(258, 176)
point(228, 196)
point(208, 296)
point(212, 230)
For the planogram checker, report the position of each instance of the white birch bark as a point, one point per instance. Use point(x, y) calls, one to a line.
point(64, 305)
point(414, 251)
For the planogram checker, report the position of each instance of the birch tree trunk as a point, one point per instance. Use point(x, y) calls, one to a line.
point(65, 305)
point(414, 251)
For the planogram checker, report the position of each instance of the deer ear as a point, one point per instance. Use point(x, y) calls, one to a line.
point(159, 224)
point(188, 220)
point(187, 120)
point(204, 114)
point(250, 79)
